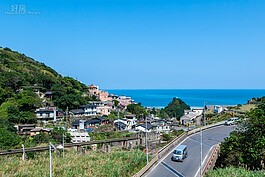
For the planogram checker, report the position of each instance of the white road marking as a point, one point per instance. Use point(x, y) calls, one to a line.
point(203, 161)
point(173, 149)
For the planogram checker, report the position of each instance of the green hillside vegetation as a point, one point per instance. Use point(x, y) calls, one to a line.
point(20, 74)
point(23, 81)
point(174, 109)
point(245, 148)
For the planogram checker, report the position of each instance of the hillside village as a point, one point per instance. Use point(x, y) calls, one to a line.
point(88, 118)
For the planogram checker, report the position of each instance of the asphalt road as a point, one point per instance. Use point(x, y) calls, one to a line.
point(191, 165)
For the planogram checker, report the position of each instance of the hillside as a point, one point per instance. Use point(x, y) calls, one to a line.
point(23, 82)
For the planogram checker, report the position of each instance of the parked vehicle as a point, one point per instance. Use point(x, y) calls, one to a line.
point(231, 121)
point(180, 153)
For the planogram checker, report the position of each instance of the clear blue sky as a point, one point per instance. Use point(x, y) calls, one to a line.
point(135, 44)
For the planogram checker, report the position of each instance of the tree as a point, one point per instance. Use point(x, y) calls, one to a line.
point(57, 134)
point(116, 103)
point(176, 108)
point(41, 138)
point(8, 140)
point(246, 145)
point(137, 109)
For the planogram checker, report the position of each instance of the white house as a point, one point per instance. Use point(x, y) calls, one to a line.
point(160, 126)
point(48, 114)
point(218, 109)
point(129, 123)
point(89, 110)
point(144, 127)
point(78, 137)
point(189, 116)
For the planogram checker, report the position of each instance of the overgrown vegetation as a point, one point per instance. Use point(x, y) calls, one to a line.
point(23, 81)
point(137, 109)
point(214, 118)
point(109, 135)
point(235, 172)
point(246, 145)
point(116, 163)
point(171, 135)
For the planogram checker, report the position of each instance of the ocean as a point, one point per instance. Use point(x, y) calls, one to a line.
point(192, 97)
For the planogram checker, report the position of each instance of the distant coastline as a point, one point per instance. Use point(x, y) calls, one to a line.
point(193, 97)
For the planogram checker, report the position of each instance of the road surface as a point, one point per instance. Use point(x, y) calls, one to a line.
point(191, 165)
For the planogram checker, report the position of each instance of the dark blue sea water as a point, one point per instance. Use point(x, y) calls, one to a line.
point(192, 97)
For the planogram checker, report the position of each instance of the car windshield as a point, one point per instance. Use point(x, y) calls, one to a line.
point(178, 152)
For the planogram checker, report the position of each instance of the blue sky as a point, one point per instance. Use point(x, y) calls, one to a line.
point(137, 44)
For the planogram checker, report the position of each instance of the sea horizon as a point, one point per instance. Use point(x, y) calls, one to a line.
point(193, 97)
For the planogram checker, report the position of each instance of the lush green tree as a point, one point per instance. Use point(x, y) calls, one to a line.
point(153, 111)
point(4, 124)
point(6, 108)
point(162, 113)
point(57, 134)
point(4, 94)
point(176, 108)
point(137, 109)
point(246, 145)
point(41, 138)
point(27, 101)
point(8, 139)
point(116, 103)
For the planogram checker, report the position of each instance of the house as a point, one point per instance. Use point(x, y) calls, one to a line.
point(89, 110)
point(93, 122)
point(79, 124)
point(129, 123)
point(38, 130)
point(144, 127)
point(217, 109)
point(124, 101)
point(79, 136)
point(120, 125)
point(189, 116)
point(100, 94)
point(103, 110)
point(93, 90)
point(49, 114)
point(161, 126)
point(84, 124)
point(77, 112)
point(24, 129)
point(48, 94)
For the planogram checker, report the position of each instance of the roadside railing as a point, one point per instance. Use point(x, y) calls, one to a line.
point(212, 159)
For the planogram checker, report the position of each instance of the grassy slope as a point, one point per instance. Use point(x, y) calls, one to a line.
point(117, 163)
point(235, 172)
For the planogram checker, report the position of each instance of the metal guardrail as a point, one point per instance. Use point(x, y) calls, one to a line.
point(170, 146)
point(67, 145)
point(211, 161)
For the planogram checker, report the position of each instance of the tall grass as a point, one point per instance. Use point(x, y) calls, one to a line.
point(117, 163)
point(235, 172)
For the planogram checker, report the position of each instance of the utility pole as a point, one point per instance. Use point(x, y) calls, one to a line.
point(204, 118)
point(23, 152)
point(63, 144)
point(204, 123)
point(146, 140)
point(51, 147)
point(50, 153)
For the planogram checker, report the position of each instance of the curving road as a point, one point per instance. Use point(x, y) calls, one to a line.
point(191, 165)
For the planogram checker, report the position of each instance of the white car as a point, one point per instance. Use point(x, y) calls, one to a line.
point(231, 121)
